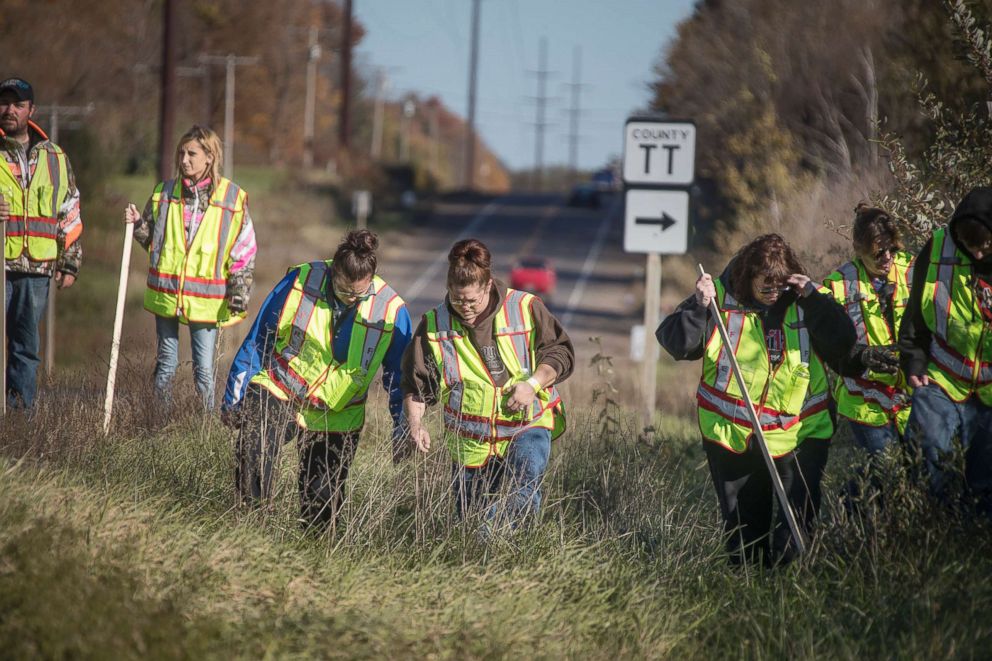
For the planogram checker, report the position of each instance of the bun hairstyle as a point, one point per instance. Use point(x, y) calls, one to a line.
point(469, 263)
point(874, 228)
point(355, 257)
point(768, 255)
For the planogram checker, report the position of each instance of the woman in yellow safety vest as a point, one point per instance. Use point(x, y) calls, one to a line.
point(491, 356)
point(782, 328)
point(201, 243)
point(874, 290)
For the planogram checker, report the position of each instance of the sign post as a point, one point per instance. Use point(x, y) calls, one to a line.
point(658, 169)
point(361, 206)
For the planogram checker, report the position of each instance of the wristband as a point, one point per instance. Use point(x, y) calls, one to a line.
point(535, 384)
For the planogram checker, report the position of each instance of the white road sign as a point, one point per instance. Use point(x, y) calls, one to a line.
point(656, 221)
point(659, 153)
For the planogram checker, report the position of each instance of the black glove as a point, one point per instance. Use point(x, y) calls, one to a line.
point(880, 359)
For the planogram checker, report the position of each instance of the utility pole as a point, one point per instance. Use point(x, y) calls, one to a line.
point(230, 61)
point(381, 84)
point(409, 108)
point(540, 124)
point(344, 125)
point(167, 106)
point(74, 113)
point(435, 138)
point(473, 70)
point(309, 109)
point(573, 112)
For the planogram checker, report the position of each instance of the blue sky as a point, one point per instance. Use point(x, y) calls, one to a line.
point(423, 45)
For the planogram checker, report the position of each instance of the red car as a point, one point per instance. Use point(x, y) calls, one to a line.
point(534, 274)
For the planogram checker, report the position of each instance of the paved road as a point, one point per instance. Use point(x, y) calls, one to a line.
point(598, 283)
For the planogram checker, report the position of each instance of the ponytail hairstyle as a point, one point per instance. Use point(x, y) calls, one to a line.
point(769, 255)
point(873, 227)
point(355, 259)
point(210, 142)
point(469, 263)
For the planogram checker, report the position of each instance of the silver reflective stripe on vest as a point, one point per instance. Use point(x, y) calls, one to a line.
point(736, 411)
point(449, 354)
point(517, 329)
point(165, 199)
point(313, 290)
point(376, 327)
point(804, 346)
point(724, 370)
point(942, 288)
point(852, 299)
point(227, 216)
point(871, 394)
point(54, 174)
point(194, 287)
point(953, 363)
point(163, 282)
point(43, 227)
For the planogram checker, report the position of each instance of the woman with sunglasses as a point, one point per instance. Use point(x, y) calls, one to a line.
point(782, 329)
point(304, 372)
point(491, 356)
point(874, 290)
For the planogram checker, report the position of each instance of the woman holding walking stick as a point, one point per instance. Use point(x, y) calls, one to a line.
point(201, 243)
point(782, 328)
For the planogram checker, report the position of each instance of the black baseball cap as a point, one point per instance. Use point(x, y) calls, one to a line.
point(18, 87)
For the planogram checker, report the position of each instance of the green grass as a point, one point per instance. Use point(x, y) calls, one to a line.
point(133, 546)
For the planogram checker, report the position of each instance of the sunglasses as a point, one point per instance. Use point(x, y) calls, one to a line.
point(882, 252)
point(344, 293)
point(780, 289)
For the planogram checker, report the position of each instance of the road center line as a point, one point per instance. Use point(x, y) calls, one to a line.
point(442, 259)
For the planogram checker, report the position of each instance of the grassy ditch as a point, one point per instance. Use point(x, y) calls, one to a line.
point(132, 545)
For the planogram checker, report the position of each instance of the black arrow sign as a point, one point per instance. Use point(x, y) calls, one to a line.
point(665, 221)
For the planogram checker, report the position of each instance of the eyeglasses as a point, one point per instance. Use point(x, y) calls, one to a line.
point(780, 289)
point(344, 293)
point(882, 252)
point(467, 302)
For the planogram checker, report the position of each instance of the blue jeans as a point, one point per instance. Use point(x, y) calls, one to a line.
point(874, 439)
point(935, 421)
point(203, 339)
point(524, 465)
point(25, 300)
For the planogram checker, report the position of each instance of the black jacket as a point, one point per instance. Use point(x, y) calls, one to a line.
point(914, 336)
point(683, 333)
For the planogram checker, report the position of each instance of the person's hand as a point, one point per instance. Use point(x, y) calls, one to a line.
point(884, 359)
point(919, 381)
point(64, 280)
point(131, 214)
point(421, 439)
point(801, 284)
point(520, 397)
point(4, 209)
point(705, 291)
point(230, 418)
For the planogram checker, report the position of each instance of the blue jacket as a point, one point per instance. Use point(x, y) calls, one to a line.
point(255, 352)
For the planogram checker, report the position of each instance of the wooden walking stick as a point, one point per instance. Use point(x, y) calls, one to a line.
point(115, 346)
point(759, 436)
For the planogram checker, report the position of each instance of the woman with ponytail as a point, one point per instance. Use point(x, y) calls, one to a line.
point(304, 372)
point(491, 356)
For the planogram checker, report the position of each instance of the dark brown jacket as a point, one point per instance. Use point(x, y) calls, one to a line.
point(421, 376)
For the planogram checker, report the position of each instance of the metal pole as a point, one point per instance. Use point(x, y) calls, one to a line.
point(115, 346)
point(573, 124)
point(229, 118)
point(652, 298)
point(50, 308)
point(541, 100)
point(313, 55)
point(473, 69)
point(3, 321)
point(758, 435)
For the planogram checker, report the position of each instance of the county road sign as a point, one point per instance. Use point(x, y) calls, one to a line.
point(656, 221)
point(659, 153)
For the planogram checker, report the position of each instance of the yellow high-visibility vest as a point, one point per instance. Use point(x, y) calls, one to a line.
point(790, 398)
point(189, 281)
point(961, 339)
point(876, 398)
point(329, 395)
point(34, 213)
point(477, 422)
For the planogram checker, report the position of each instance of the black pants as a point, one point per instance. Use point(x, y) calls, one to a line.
point(267, 423)
point(747, 497)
